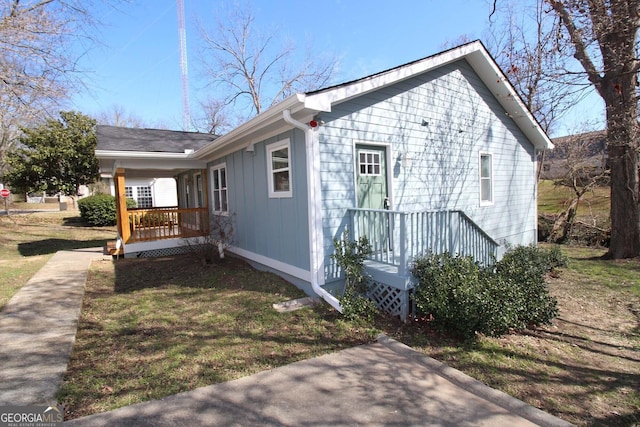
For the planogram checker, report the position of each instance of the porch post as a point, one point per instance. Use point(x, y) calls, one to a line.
point(205, 190)
point(402, 269)
point(122, 217)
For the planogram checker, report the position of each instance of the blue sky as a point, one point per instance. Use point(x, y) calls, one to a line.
point(138, 65)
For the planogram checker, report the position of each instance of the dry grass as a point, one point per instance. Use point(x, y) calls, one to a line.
point(585, 368)
point(553, 199)
point(154, 327)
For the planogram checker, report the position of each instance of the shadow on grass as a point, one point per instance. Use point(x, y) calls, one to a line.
point(561, 373)
point(166, 325)
point(77, 221)
point(50, 246)
point(187, 271)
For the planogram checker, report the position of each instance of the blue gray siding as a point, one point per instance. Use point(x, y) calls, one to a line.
point(276, 228)
point(433, 167)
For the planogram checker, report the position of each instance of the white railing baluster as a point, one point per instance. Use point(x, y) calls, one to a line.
point(397, 237)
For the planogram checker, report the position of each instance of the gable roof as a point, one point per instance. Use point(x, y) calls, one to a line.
point(115, 138)
point(304, 106)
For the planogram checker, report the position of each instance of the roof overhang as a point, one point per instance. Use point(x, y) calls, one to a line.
point(482, 63)
point(160, 164)
point(263, 126)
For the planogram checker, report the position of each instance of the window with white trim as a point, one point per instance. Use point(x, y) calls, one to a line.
point(486, 179)
point(219, 188)
point(141, 194)
point(369, 163)
point(279, 169)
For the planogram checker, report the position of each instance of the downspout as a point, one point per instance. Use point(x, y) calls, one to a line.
point(309, 140)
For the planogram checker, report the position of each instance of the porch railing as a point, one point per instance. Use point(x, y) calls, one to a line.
point(151, 224)
point(398, 237)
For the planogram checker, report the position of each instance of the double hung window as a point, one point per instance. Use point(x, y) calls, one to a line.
point(219, 189)
point(279, 169)
point(486, 179)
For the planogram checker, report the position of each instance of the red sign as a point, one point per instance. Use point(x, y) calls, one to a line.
point(5, 192)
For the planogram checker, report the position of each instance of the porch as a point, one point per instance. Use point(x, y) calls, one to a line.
point(398, 237)
point(152, 224)
point(154, 231)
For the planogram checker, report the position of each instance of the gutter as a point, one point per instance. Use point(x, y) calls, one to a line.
point(309, 140)
point(263, 119)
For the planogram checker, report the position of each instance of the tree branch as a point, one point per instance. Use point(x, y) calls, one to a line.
point(581, 52)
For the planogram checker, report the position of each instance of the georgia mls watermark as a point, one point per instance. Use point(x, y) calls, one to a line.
point(31, 416)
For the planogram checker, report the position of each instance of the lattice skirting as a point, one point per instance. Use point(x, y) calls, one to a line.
point(390, 300)
point(155, 253)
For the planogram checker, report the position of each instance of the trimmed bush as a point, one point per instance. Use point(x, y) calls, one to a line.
point(467, 299)
point(100, 209)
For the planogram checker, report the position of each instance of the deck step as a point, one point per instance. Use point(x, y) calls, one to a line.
point(110, 248)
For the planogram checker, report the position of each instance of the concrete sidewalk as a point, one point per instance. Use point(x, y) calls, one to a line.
point(385, 383)
point(38, 327)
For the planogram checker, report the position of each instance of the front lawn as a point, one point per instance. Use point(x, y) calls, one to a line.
point(154, 327)
point(30, 239)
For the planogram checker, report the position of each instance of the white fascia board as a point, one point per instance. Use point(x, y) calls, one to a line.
point(507, 96)
point(246, 134)
point(324, 99)
point(149, 160)
point(160, 164)
point(115, 155)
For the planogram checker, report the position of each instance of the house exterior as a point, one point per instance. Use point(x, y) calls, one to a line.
point(435, 155)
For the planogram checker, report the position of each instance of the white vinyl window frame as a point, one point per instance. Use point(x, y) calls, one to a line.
point(142, 194)
point(219, 190)
point(279, 169)
point(485, 165)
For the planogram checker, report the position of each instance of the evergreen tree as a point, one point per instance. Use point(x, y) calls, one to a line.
point(57, 156)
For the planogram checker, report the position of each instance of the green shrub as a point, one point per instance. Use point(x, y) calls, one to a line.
point(100, 209)
point(466, 299)
point(525, 267)
point(350, 256)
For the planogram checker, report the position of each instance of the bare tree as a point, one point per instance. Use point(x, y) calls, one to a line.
point(526, 46)
point(604, 37)
point(256, 71)
point(117, 115)
point(214, 119)
point(38, 67)
point(582, 161)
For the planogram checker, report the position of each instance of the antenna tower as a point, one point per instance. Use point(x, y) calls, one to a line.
point(186, 119)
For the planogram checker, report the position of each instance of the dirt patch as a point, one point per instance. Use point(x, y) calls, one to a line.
point(596, 347)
